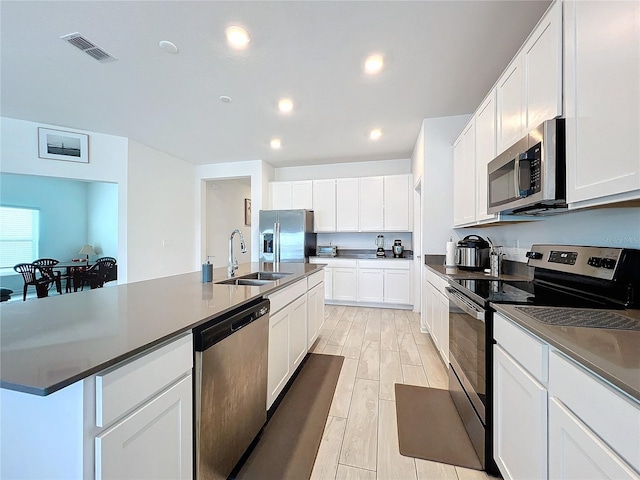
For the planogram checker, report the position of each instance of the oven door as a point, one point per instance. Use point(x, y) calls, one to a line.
point(467, 358)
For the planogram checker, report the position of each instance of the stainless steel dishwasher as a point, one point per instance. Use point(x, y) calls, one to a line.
point(230, 387)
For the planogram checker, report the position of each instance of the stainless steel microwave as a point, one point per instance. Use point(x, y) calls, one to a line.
point(529, 178)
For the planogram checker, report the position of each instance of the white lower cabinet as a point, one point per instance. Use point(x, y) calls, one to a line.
point(298, 328)
point(130, 421)
point(287, 336)
point(315, 306)
point(437, 314)
point(328, 283)
point(397, 285)
point(577, 427)
point(278, 357)
point(520, 420)
point(444, 328)
point(153, 442)
point(370, 285)
point(575, 452)
point(345, 283)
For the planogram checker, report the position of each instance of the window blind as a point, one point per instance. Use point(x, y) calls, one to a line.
point(19, 235)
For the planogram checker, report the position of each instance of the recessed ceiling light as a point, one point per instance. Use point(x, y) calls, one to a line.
point(373, 64)
point(225, 99)
point(276, 143)
point(375, 134)
point(168, 46)
point(285, 105)
point(237, 36)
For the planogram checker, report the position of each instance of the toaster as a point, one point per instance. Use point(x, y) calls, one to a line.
point(326, 251)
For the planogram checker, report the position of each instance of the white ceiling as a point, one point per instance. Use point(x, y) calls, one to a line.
point(441, 57)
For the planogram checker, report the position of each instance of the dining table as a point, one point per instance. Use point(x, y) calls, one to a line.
point(73, 273)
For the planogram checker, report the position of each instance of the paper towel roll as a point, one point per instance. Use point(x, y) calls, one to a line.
point(450, 254)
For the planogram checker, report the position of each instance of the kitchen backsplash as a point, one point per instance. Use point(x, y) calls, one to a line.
point(364, 240)
point(604, 227)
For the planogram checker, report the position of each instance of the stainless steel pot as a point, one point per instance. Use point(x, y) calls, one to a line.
point(472, 253)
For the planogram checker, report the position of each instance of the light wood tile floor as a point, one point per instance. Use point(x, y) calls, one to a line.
point(381, 347)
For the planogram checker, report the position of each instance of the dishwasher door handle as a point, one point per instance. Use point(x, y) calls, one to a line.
point(241, 323)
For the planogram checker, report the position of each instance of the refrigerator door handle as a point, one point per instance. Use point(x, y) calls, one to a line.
point(276, 242)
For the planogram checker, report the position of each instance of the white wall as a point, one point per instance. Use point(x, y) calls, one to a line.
point(225, 212)
point(162, 214)
point(261, 174)
point(107, 163)
point(344, 170)
point(433, 159)
point(102, 218)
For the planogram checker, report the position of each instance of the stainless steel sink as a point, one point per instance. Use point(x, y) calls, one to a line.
point(244, 281)
point(271, 276)
point(254, 279)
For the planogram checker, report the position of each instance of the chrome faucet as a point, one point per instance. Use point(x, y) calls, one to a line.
point(233, 261)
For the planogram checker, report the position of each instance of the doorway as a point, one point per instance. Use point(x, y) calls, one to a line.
point(225, 210)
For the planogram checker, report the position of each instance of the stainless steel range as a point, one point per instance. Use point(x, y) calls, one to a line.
point(571, 286)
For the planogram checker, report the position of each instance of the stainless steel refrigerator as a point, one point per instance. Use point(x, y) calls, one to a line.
point(286, 236)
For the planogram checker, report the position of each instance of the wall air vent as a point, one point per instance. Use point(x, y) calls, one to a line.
point(88, 47)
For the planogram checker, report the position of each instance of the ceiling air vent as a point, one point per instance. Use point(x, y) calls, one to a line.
point(88, 47)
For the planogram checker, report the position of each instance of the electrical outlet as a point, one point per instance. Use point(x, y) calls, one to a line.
point(167, 243)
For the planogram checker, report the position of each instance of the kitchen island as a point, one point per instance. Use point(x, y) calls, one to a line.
point(100, 384)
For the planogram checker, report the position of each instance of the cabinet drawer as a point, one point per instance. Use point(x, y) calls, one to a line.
point(385, 264)
point(124, 386)
point(437, 281)
point(531, 353)
point(284, 297)
point(314, 279)
point(335, 262)
point(612, 416)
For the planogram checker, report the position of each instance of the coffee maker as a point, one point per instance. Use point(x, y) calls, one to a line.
point(380, 245)
point(398, 249)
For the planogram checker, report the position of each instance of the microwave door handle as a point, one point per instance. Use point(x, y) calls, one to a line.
point(516, 178)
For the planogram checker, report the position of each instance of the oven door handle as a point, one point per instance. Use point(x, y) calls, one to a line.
point(466, 305)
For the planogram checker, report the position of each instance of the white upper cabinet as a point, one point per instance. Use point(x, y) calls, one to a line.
point(280, 195)
point(288, 195)
point(464, 167)
point(371, 204)
point(530, 89)
point(397, 203)
point(324, 205)
point(347, 204)
point(485, 152)
point(602, 95)
point(542, 68)
point(458, 192)
point(364, 204)
point(302, 195)
point(509, 106)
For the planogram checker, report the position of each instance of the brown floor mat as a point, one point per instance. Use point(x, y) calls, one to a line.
point(290, 441)
point(429, 427)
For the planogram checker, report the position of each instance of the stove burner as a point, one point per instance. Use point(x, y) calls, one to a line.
point(576, 317)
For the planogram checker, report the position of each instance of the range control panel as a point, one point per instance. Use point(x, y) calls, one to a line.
point(596, 262)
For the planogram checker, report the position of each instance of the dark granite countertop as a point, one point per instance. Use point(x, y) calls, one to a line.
point(47, 344)
point(612, 354)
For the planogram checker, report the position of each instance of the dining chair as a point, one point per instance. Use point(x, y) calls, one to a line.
point(29, 273)
point(46, 269)
point(99, 273)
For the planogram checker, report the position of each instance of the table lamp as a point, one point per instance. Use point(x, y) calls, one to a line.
point(87, 250)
